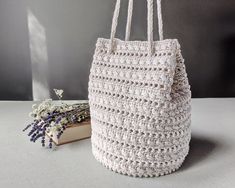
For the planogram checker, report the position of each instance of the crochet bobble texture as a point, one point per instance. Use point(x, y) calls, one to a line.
point(140, 107)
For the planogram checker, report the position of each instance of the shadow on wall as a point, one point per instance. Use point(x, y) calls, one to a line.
point(202, 27)
point(209, 57)
point(15, 66)
point(228, 70)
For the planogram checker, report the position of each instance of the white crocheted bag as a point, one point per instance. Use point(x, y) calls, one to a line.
point(139, 99)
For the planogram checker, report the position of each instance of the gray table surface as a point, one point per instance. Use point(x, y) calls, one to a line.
point(210, 163)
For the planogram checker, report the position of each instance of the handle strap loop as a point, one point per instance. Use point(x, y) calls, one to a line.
point(129, 20)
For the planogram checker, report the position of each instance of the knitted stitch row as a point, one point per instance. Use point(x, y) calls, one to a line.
point(140, 102)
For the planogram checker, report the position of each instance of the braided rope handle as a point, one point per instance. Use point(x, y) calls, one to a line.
point(160, 22)
point(150, 27)
point(129, 20)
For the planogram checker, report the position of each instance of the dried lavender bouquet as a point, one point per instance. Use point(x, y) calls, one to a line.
point(51, 117)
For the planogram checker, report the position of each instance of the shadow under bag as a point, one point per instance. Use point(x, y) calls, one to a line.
point(140, 102)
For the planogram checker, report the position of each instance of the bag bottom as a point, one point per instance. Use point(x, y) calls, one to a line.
point(124, 167)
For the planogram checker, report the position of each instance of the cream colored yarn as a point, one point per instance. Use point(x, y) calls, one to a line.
point(139, 99)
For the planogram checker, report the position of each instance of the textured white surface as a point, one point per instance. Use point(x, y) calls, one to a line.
point(139, 99)
point(140, 107)
point(210, 163)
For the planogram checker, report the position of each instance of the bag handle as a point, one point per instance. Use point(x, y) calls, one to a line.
point(129, 19)
point(160, 22)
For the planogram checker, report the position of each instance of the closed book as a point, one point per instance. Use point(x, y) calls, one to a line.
point(72, 133)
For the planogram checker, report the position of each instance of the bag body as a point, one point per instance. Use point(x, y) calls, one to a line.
point(139, 99)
